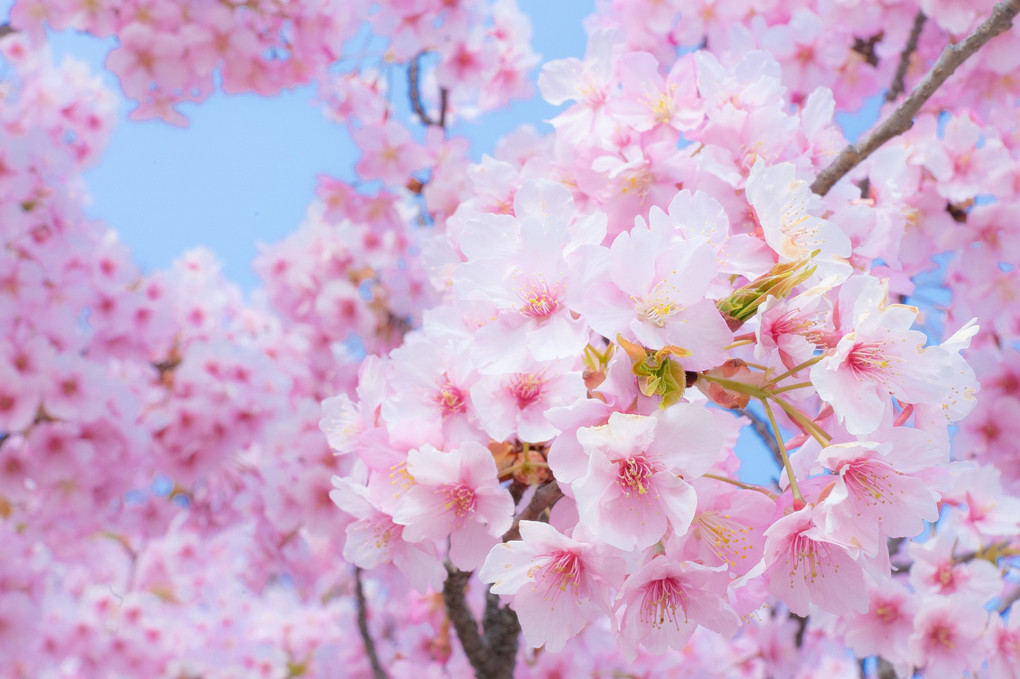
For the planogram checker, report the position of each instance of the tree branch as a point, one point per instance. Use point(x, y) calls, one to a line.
point(463, 620)
point(502, 633)
point(415, 91)
point(897, 86)
point(492, 655)
point(366, 637)
point(545, 497)
point(902, 118)
point(492, 651)
point(761, 428)
point(5, 30)
point(1009, 600)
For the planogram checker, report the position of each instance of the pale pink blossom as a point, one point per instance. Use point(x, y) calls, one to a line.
point(558, 584)
point(806, 567)
point(456, 495)
point(637, 464)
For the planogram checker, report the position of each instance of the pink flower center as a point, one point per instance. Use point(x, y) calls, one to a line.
point(939, 635)
point(723, 535)
point(458, 498)
point(944, 575)
point(887, 612)
point(449, 398)
point(869, 482)
point(563, 570)
point(538, 299)
point(635, 474)
point(661, 601)
point(866, 359)
point(526, 389)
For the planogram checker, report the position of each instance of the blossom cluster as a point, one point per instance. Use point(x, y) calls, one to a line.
point(538, 373)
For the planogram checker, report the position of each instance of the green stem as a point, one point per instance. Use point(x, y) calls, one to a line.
point(791, 387)
point(734, 385)
point(803, 420)
point(741, 484)
point(794, 370)
point(794, 488)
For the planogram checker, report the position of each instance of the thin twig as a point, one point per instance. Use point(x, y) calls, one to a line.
point(761, 428)
point(545, 497)
point(366, 637)
point(1009, 600)
point(413, 82)
point(902, 118)
point(897, 86)
point(886, 669)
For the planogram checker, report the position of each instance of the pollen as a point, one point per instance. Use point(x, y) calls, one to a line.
point(449, 399)
point(458, 498)
point(660, 304)
point(526, 388)
point(724, 536)
point(635, 474)
point(539, 299)
point(561, 572)
point(660, 603)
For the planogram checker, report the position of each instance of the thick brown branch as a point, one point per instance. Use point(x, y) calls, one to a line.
point(5, 29)
point(545, 497)
point(896, 88)
point(502, 632)
point(902, 118)
point(463, 620)
point(366, 636)
point(491, 655)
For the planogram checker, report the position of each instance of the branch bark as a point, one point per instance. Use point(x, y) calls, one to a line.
point(897, 86)
point(366, 636)
point(491, 654)
point(901, 120)
point(5, 30)
point(545, 497)
point(761, 428)
point(492, 651)
point(415, 91)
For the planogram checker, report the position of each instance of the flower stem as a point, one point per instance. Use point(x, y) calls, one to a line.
point(791, 387)
point(803, 420)
point(741, 484)
point(795, 369)
point(798, 499)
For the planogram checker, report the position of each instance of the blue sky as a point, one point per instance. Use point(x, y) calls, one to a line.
point(244, 170)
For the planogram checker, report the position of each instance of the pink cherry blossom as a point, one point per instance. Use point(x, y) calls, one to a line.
point(456, 495)
point(558, 584)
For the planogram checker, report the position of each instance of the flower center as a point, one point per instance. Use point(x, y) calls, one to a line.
point(661, 601)
point(660, 304)
point(635, 474)
point(449, 398)
point(563, 570)
point(940, 634)
point(726, 537)
point(539, 300)
point(887, 613)
point(526, 389)
point(459, 498)
point(866, 359)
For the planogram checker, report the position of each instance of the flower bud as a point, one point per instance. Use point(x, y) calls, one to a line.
point(777, 282)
